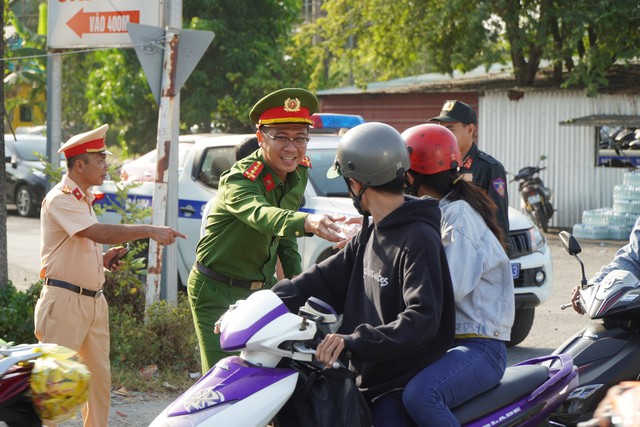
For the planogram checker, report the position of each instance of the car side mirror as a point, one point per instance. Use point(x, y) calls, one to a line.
point(570, 243)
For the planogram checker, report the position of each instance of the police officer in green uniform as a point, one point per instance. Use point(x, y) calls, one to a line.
point(486, 172)
point(255, 218)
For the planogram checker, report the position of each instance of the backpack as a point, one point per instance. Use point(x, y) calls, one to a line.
point(324, 397)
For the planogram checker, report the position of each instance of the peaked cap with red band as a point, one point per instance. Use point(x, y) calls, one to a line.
point(285, 106)
point(88, 142)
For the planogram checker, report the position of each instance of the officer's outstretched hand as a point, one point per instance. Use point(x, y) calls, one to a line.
point(324, 226)
point(165, 235)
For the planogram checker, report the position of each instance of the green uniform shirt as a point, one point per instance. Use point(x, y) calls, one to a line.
point(253, 221)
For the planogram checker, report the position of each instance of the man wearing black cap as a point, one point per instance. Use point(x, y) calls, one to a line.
point(254, 220)
point(486, 172)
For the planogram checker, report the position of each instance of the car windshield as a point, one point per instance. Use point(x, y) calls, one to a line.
point(321, 161)
point(27, 150)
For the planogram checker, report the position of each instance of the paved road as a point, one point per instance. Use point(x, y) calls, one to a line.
point(23, 249)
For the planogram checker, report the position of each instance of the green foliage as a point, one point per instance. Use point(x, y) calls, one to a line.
point(117, 93)
point(52, 172)
point(244, 62)
point(16, 316)
point(30, 71)
point(130, 212)
point(166, 339)
point(359, 41)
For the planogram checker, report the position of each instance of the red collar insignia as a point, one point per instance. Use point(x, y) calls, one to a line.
point(306, 162)
point(268, 182)
point(254, 170)
point(467, 163)
point(77, 193)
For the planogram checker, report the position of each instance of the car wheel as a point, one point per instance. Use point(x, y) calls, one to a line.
point(25, 202)
point(522, 324)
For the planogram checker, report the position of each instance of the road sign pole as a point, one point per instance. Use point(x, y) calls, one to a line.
point(165, 131)
point(170, 282)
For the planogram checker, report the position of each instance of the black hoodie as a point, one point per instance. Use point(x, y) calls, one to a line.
point(394, 289)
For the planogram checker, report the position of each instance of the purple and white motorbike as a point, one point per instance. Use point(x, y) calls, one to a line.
point(249, 389)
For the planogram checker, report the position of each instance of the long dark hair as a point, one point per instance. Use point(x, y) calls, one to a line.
point(451, 184)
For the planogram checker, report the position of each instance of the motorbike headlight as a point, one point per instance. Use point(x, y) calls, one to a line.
point(536, 238)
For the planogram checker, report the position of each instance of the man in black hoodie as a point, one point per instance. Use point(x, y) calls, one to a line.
point(391, 282)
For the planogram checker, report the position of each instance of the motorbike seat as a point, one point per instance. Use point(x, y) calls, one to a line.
point(517, 382)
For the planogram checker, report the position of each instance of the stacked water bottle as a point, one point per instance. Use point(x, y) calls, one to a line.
point(613, 223)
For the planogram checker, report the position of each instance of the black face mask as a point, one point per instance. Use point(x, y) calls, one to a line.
point(356, 198)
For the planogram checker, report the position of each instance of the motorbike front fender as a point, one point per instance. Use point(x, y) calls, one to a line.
point(232, 393)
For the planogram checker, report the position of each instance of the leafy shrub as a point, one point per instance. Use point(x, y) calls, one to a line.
point(16, 315)
point(165, 339)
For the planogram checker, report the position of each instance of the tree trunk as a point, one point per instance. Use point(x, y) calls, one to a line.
point(4, 267)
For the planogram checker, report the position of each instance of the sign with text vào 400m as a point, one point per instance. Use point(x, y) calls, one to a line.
point(98, 23)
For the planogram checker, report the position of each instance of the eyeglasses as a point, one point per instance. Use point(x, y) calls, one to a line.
point(283, 141)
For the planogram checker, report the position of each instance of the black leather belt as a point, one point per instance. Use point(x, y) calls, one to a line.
point(73, 288)
point(206, 271)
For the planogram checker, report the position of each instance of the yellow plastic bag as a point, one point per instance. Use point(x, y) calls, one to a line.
point(59, 384)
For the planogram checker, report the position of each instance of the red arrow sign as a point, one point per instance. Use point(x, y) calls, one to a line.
point(102, 22)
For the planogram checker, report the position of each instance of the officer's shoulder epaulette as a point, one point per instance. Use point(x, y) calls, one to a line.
point(487, 158)
point(306, 162)
point(253, 170)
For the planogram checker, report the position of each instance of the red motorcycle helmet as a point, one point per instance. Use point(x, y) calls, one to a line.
point(432, 149)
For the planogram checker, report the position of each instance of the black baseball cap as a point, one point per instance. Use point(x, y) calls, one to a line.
point(456, 111)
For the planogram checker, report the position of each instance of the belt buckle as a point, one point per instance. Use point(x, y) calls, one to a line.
point(255, 286)
point(99, 293)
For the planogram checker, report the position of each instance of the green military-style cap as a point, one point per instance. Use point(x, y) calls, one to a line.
point(285, 106)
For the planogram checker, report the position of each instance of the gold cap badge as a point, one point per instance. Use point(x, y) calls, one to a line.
point(292, 105)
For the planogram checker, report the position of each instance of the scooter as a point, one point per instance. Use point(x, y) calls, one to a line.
point(535, 196)
point(607, 350)
point(250, 390)
point(16, 408)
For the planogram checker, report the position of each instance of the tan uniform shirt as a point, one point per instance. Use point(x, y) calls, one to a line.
point(66, 210)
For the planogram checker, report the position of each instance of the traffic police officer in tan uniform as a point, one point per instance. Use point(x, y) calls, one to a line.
point(71, 310)
point(255, 218)
point(486, 172)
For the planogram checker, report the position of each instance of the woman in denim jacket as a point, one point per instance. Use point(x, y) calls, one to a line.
point(481, 276)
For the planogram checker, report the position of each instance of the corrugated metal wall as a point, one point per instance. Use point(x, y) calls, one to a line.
point(518, 132)
point(398, 110)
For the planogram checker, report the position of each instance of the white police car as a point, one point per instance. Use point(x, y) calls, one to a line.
point(209, 157)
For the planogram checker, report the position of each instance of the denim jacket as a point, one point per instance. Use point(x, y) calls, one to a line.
point(480, 273)
point(627, 258)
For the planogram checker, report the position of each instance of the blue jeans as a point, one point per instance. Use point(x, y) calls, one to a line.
point(472, 366)
point(388, 411)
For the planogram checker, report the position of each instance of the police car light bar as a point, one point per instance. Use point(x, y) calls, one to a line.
point(336, 121)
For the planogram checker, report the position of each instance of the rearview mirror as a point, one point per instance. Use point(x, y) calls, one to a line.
point(318, 311)
point(570, 243)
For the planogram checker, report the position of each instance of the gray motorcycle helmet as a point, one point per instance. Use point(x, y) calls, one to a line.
point(372, 153)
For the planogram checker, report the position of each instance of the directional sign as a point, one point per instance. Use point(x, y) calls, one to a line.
point(97, 23)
